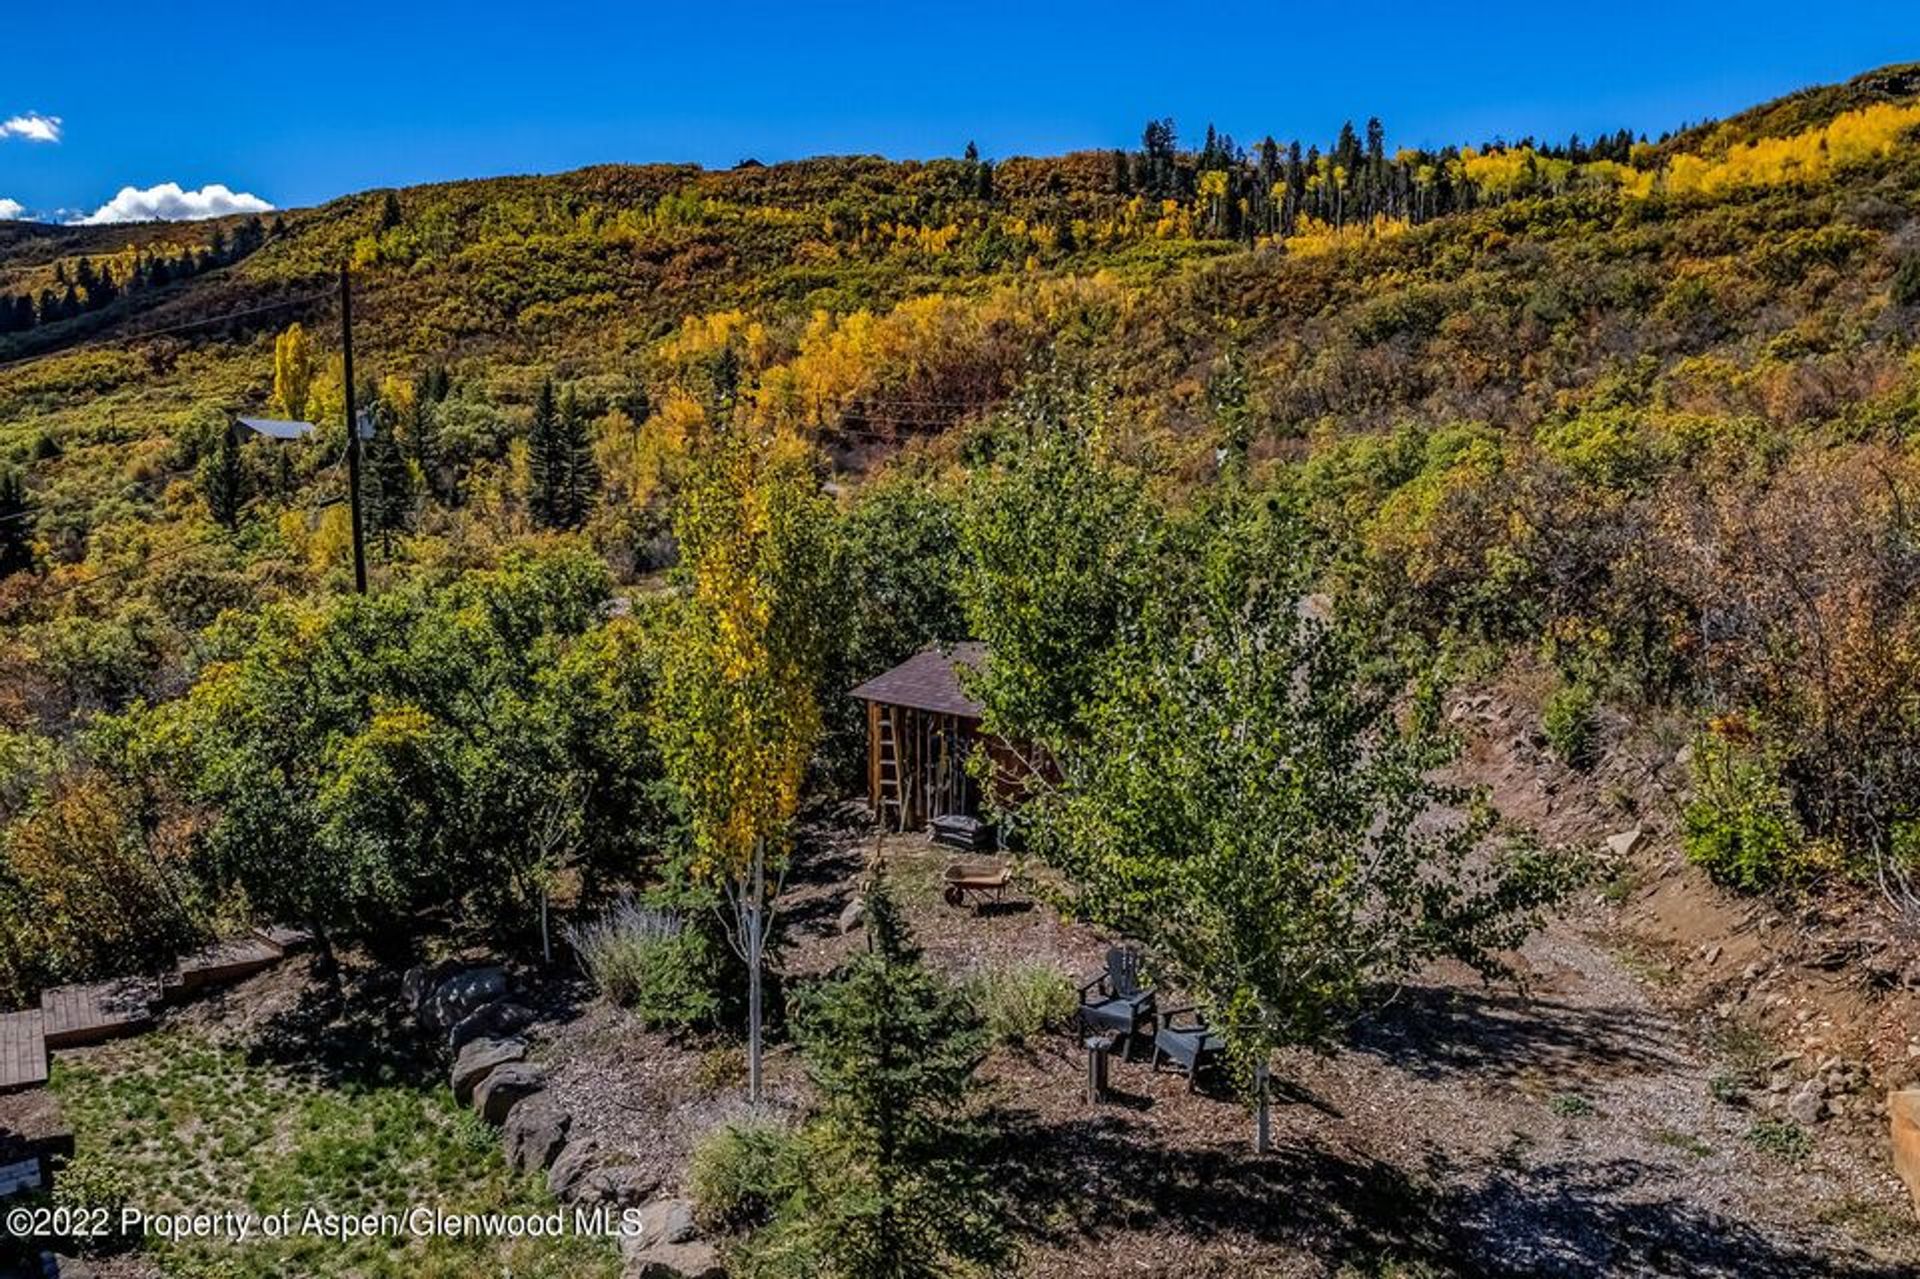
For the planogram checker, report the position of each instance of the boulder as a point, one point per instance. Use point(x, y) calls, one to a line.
point(1806, 1104)
point(479, 1058)
point(571, 1168)
point(536, 1132)
point(1903, 1109)
point(505, 1088)
point(669, 1221)
point(616, 1187)
point(668, 1245)
point(699, 1260)
point(496, 1020)
point(855, 912)
point(1622, 843)
point(458, 995)
point(418, 982)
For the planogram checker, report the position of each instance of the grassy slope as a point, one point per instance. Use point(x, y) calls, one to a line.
point(189, 1127)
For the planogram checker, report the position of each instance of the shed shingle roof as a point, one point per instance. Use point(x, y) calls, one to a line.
point(927, 681)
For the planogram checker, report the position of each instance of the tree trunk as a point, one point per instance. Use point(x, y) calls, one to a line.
point(326, 964)
point(756, 941)
point(1262, 1129)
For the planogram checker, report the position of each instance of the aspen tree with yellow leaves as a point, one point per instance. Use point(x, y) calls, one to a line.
point(738, 714)
point(292, 372)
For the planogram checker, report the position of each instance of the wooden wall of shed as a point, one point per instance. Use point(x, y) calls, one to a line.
point(1009, 780)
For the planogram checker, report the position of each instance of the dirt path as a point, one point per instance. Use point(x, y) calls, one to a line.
point(1576, 1130)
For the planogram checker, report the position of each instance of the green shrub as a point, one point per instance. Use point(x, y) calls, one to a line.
point(88, 1183)
point(1906, 281)
point(1782, 1138)
point(1569, 1105)
point(1740, 825)
point(738, 1173)
point(1019, 1001)
point(1571, 724)
point(651, 961)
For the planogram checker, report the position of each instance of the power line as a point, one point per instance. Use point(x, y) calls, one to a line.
point(151, 558)
point(145, 334)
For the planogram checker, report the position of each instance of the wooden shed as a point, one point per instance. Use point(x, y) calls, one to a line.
point(921, 730)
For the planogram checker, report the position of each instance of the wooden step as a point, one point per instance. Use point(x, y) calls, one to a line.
point(88, 1014)
point(23, 1050)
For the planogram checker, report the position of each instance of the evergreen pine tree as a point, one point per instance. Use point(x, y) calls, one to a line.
point(104, 289)
point(583, 475)
point(16, 523)
point(223, 481)
point(546, 461)
point(391, 508)
point(889, 1183)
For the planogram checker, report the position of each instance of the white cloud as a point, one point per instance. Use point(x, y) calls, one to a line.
point(11, 210)
point(168, 203)
point(32, 126)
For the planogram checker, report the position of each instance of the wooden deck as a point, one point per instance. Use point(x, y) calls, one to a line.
point(23, 1050)
point(226, 961)
point(289, 941)
point(72, 1016)
point(77, 1015)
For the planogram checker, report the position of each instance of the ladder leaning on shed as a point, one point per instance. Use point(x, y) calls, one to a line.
point(887, 779)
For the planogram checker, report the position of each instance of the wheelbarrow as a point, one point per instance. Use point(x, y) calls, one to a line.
point(977, 882)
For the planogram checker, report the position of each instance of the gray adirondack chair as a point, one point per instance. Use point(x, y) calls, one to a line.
point(1115, 1001)
point(1191, 1048)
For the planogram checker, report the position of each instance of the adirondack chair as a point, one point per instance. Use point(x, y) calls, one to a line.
point(1191, 1048)
point(1114, 1000)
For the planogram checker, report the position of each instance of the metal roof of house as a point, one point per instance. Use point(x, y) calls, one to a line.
point(928, 681)
point(275, 429)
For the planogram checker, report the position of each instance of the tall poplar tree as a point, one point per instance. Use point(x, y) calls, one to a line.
point(292, 372)
point(738, 713)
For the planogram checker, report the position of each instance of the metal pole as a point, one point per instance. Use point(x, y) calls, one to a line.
point(353, 434)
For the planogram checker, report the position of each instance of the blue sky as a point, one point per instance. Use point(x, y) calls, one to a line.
point(298, 103)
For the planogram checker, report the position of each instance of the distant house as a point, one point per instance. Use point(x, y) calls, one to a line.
point(272, 429)
point(921, 730)
point(281, 431)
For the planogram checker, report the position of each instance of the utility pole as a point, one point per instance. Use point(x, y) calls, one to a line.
point(353, 434)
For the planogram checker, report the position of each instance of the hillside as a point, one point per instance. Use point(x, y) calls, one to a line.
point(1595, 458)
point(1482, 367)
